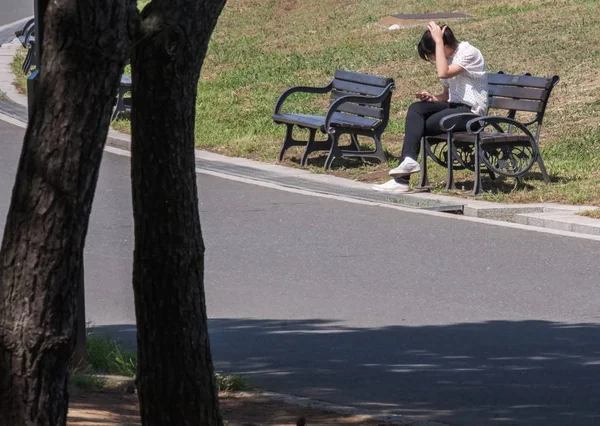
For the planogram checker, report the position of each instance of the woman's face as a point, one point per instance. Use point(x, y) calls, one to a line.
point(448, 51)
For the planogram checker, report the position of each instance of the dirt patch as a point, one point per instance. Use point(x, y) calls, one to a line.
point(116, 408)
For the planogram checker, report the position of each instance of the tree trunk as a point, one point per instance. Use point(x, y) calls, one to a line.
point(85, 48)
point(175, 377)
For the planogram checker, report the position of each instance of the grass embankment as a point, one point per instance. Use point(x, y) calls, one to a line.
point(260, 47)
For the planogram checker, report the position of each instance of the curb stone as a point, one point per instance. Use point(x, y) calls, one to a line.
point(127, 385)
point(542, 215)
point(394, 419)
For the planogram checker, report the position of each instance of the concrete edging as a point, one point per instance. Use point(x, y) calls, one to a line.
point(545, 215)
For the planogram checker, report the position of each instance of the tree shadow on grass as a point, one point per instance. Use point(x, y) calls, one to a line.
point(533, 373)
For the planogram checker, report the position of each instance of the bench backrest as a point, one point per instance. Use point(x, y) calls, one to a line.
point(353, 83)
point(521, 93)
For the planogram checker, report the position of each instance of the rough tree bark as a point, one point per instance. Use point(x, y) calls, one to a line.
point(175, 377)
point(85, 48)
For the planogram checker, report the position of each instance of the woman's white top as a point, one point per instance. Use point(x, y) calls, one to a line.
point(468, 87)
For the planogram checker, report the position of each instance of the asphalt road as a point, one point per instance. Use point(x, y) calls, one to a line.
point(437, 318)
point(12, 11)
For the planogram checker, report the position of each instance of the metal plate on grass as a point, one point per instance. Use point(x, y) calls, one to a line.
point(414, 20)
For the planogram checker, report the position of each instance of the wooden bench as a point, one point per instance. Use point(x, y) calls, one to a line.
point(506, 144)
point(359, 106)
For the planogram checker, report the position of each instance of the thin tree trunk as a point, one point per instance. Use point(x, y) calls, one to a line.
point(175, 377)
point(85, 47)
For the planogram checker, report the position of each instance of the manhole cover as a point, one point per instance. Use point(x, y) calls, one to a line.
point(415, 20)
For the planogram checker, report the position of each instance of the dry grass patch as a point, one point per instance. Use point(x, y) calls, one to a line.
point(594, 214)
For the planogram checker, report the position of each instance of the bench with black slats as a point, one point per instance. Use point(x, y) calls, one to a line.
point(506, 145)
point(359, 106)
point(26, 36)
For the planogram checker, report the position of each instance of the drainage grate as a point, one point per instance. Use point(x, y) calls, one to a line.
point(366, 194)
point(20, 112)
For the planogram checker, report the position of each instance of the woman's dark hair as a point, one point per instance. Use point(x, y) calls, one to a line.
point(426, 46)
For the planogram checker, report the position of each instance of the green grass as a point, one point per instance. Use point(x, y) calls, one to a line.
point(106, 356)
point(232, 383)
point(261, 47)
point(20, 81)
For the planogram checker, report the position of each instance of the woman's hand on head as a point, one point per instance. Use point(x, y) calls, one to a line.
point(437, 33)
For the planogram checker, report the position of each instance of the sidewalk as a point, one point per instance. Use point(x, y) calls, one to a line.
point(544, 215)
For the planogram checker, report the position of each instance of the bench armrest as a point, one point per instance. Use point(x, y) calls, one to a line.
point(495, 121)
point(303, 89)
point(445, 122)
point(25, 28)
point(362, 99)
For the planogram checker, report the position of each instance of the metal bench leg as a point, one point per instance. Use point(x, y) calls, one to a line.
point(380, 154)
point(450, 185)
point(309, 147)
point(477, 188)
point(286, 141)
point(543, 168)
point(424, 181)
point(333, 151)
point(354, 143)
point(118, 107)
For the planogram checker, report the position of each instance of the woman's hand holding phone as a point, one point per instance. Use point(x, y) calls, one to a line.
point(425, 97)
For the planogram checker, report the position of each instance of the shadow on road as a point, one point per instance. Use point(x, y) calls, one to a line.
point(533, 373)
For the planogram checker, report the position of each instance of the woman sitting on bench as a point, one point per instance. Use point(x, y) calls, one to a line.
point(462, 70)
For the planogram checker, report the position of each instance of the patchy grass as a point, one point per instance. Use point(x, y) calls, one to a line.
point(232, 383)
point(20, 81)
point(594, 214)
point(106, 356)
point(261, 47)
point(85, 379)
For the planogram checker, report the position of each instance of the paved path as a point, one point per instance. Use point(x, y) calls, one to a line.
point(431, 317)
point(12, 11)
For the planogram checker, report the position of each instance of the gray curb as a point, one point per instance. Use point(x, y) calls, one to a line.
point(394, 419)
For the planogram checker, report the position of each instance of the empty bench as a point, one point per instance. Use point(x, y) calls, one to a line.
point(26, 36)
point(506, 144)
point(359, 106)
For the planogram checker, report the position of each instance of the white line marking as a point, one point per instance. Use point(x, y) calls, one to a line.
point(16, 23)
point(125, 153)
point(400, 208)
point(13, 121)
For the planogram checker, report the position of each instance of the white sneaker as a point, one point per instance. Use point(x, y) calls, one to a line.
point(392, 186)
point(407, 167)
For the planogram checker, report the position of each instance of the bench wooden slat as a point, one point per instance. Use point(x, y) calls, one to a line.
point(517, 92)
point(364, 111)
point(318, 121)
point(363, 89)
point(518, 80)
point(516, 104)
point(368, 110)
point(354, 118)
point(371, 80)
